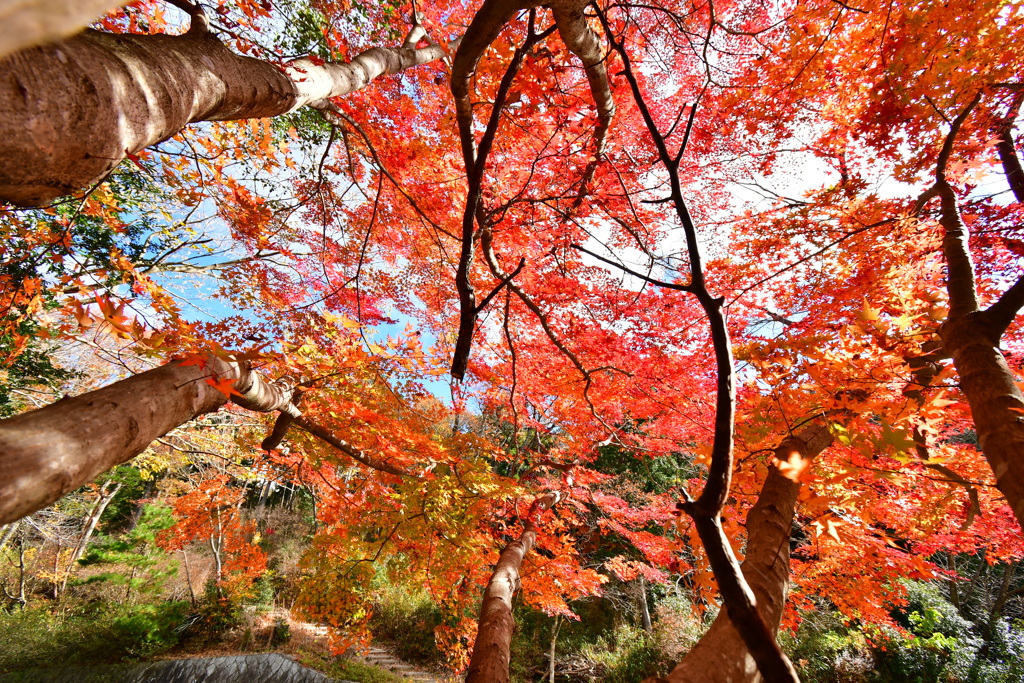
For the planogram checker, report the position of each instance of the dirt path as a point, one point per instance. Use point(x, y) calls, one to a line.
point(377, 656)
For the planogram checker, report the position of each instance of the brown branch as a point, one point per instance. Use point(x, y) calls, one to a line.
point(1000, 315)
point(487, 246)
point(200, 22)
point(501, 285)
point(277, 434)
point(707, 508)
point(963, 295)
point(476, 161)
point(1008, 151)
point(583, 42)
point(720, 656)
point(350, 450)
point(485, 27)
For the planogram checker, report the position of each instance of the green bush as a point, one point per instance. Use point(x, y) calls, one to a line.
point(407, 620)
point(627, 655)
point(145, 630)
point(35, 638)
point(936, 645)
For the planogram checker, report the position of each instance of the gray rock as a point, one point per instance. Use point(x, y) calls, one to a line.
point(266, 668)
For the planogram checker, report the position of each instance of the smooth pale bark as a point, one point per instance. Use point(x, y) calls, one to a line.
point(491, 651)
point(46, 453)
point(721, 656)
point(24, 23)
point(71, 111)
point(105, 496)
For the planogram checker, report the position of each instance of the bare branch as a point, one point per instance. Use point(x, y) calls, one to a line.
point(659, 283)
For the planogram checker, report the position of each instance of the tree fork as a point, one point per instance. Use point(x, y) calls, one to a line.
point(721, 656)
point(971, 336)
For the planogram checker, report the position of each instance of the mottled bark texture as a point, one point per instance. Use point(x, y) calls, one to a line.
point(491, 651)
point(584, 43)
point(71, 110)
point(24, 23)
point(997, 404)
point(46, 453)
point(720, 656)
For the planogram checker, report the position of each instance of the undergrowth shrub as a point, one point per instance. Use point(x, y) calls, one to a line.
point(406, 619)
point(626, 655)
point(36, 638)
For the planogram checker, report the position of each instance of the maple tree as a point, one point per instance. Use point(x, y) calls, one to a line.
point(209, 514)
point(834, 300)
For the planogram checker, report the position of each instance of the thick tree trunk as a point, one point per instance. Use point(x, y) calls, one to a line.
point(46, 453)
point(970, 336)
point(24, 23)
point(721, 656)
point(997, 404)
point(491, 651)
point(71, 110)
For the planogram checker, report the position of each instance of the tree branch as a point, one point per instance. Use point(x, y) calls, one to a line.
point(350, 450)
point(501, 285)
point(963, 295)
point(1000, 315)
point(659, 283)
point(1007, 149)
point(476, 160)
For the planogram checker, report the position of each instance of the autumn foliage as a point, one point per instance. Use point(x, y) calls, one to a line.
point(744, 221)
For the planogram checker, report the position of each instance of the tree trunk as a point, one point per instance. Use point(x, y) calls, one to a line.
point(554, 642)
point(997, 404)
point(19, 596)
point(645, 611)
point(721, 656)
point(491, 651)
point(188, 578)
point(24, 23)
point(7, 534)
point(970, 335)
point(71, 111)
point(91, 523)
point(47, 452)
